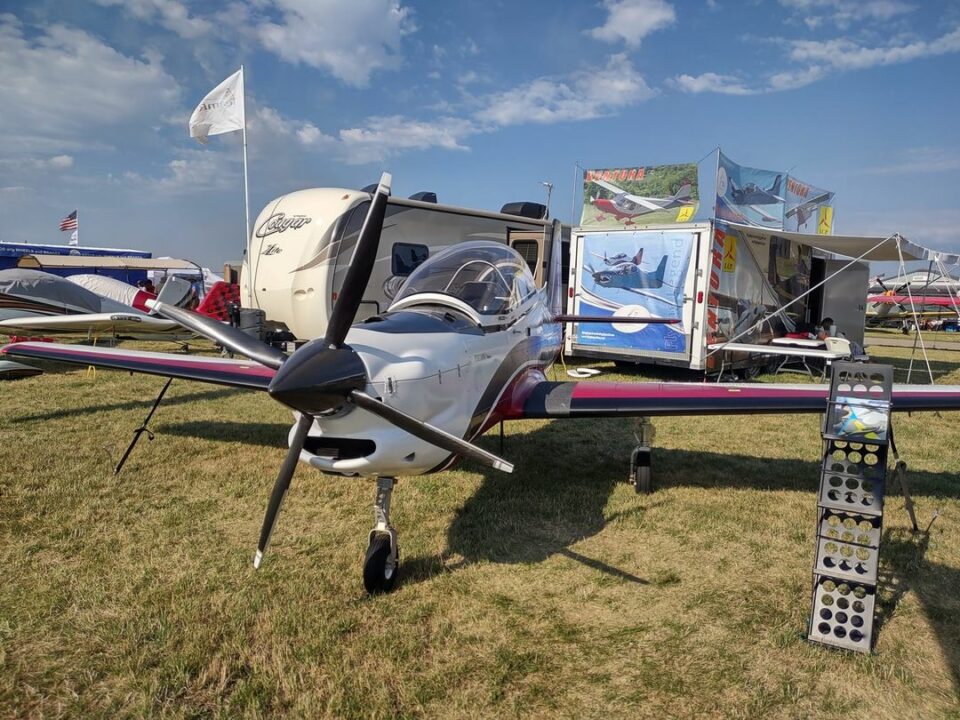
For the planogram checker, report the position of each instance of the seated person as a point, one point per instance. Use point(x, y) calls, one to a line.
point(828, 328)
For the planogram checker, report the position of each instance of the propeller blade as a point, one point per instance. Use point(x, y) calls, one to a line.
point(358, 274)
point(429, 433)
point(232, 338)
point(281, 486)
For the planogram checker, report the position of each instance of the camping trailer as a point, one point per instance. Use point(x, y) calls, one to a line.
point(303, 242)
point(723, 282)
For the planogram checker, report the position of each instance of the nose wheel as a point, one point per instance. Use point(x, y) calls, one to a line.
point(382, 563)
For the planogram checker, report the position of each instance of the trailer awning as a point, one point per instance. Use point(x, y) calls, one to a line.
point(41, 262)
point(855, 246)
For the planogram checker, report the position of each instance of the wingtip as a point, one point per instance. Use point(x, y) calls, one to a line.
point(503, 465)
point(257, 559)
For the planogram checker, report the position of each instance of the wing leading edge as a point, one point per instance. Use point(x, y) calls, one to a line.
point(622, 399)
point(220, 371)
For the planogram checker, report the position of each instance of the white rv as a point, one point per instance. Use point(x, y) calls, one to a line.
point(303, 242)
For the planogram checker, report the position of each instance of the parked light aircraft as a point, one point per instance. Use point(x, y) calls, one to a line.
point(34, 302)
point(463, 346)
point(623, 205)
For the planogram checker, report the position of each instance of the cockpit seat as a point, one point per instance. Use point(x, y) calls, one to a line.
point(481, 296)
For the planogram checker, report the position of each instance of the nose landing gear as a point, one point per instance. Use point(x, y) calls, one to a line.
point(382, 563)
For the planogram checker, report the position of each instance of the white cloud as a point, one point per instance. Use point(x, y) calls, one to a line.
point(632, 20)
point(193, 171)
point(60, 162)
point(349, 40)
point(63, 88)
point(846, 54)
point(844, 13)
point(382, 137)
point(711, 82)
point(171, 14)
point(793, 79)
point(582, 96)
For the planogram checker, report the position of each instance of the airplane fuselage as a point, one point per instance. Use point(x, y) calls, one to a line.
point(436, 365)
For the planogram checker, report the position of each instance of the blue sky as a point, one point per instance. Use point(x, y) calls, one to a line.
point(476, 101)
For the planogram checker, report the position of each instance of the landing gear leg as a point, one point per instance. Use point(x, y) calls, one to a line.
point(641, 475)
point(383, 554)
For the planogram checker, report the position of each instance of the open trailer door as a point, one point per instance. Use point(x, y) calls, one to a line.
point(636, 273)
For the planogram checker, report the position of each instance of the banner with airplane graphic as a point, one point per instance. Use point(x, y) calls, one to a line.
point(771, 199)
point(618, 198)
point(639, 274)
point(809, 209)
point(750, 196)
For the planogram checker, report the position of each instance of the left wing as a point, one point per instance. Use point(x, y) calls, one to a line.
point(116, 322)
point(626, 399)
point(220, 371)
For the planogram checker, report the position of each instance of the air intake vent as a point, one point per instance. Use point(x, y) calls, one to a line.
point(425, 196)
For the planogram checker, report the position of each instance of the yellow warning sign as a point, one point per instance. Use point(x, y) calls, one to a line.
point(825, 221)
point(685, 213)
point(729, 253)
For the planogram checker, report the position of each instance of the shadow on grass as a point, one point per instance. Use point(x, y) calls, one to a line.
point(904, 568)
point(252, 433)
point(145, 403)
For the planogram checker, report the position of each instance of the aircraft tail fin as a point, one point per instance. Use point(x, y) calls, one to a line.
point(775, 190)
point(174, 291)
point(685, 191)
point(661, 269)
point(220, 296)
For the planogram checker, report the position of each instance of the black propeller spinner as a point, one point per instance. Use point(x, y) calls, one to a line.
point(325, 374)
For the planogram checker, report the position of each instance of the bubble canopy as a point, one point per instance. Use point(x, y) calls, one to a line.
point(488, 280)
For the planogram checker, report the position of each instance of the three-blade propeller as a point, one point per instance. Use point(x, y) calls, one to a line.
point(325, 374)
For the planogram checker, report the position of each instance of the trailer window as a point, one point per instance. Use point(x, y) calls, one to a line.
point(406, 257)
point(529, 251)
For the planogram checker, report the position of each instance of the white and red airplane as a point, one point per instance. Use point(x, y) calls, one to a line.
point(463, 346)
point(33, 302)
point(625, 206)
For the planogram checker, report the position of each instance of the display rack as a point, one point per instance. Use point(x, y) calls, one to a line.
point(856, 440)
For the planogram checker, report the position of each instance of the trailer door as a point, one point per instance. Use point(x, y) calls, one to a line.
point(637, 273)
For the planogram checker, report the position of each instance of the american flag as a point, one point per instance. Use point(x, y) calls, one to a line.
point(69, 222)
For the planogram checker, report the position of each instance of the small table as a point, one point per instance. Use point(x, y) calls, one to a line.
point(799, 342)
point(789, 353)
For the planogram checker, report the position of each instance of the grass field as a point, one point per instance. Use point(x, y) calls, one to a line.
point(556, 591)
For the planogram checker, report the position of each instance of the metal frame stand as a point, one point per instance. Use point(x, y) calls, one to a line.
point(142, 429)
point(900, 470)
point(856, 438)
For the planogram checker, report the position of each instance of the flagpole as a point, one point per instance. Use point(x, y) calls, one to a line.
point(246, 195)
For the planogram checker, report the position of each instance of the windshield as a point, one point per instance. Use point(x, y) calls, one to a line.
point(489, 277)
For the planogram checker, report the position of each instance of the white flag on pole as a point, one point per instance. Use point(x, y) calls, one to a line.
point(75, 237)
point(221, 111)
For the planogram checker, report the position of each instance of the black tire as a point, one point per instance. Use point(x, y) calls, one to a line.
point(376, 580)
point(643, 478)
point(749, 373)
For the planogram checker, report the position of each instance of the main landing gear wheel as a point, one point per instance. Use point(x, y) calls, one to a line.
point(379, 568)
point(642, 476)
point(382, 564)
